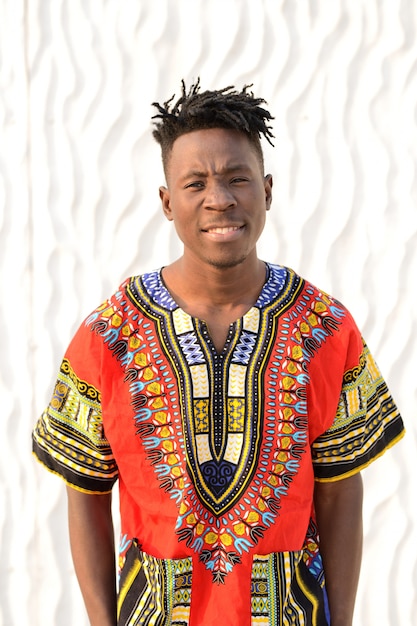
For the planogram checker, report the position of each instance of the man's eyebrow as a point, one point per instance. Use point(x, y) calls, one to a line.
point(230, 169)
point(194, 173)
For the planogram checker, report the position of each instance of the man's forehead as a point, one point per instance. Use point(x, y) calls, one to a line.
point(219, 143)
point(231, 134)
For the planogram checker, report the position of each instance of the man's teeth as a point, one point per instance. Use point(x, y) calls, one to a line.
point(222, 231)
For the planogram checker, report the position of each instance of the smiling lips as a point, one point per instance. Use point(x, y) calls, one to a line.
point(222, 230)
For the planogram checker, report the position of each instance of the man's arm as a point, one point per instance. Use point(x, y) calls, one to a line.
point(92, 546)
point(339, 517)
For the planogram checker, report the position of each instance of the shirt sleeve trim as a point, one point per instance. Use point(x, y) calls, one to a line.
point(46, 461)
point(358, 469)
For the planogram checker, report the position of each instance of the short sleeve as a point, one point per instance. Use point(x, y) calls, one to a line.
point(367, 423)
point(69, 438)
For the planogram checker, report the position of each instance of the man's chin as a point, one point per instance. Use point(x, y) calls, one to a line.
point(226, 263)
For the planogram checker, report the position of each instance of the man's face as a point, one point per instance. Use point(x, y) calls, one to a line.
point(217, 196)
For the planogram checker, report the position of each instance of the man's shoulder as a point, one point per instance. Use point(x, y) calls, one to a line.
point(150, 281)
point(131, 289)
point(307, 296)
point(290, 275)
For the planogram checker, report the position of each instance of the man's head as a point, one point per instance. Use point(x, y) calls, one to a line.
point(223, 108)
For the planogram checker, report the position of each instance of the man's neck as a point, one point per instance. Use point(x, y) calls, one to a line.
point(214, 288)
point(219, 297)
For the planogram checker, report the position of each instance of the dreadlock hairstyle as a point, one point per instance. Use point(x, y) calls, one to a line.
point(224, 108)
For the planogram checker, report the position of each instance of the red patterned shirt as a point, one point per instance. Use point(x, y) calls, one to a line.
point(217, 453)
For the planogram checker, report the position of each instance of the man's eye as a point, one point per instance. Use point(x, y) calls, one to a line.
point(239, 179)
point(195, 185)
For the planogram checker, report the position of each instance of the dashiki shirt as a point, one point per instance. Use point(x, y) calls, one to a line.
point(216, 454)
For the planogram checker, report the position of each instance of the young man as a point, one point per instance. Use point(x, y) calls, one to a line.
point(235, 402)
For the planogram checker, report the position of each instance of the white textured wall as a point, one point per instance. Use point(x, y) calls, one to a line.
point(79, 211)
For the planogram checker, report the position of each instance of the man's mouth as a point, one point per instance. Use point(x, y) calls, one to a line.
point(222, 230)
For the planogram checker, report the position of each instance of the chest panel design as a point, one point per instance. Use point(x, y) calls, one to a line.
point(225, 432)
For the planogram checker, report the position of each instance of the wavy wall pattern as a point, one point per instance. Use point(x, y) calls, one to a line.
point(79, 211)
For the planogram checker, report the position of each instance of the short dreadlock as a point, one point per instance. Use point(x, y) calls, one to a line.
point(224, 108)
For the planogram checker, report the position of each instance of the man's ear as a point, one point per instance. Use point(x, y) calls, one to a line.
point(268, 190)
point(166, 207)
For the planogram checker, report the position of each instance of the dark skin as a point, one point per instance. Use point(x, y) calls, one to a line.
point(217, 199)
point(217, 196)
point(339, 517)
point(92, 547)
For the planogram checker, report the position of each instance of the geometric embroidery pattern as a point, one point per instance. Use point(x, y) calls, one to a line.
point(154, 591)
point(244, 348)
point(70, 433)
point(235, 414)
point(357, 431)
point(201, 416)
point(287, 588)
point(191, 348)
point(259, 591)
point(274, 591)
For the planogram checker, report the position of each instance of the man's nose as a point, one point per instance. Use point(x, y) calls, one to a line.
point(219, 197)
